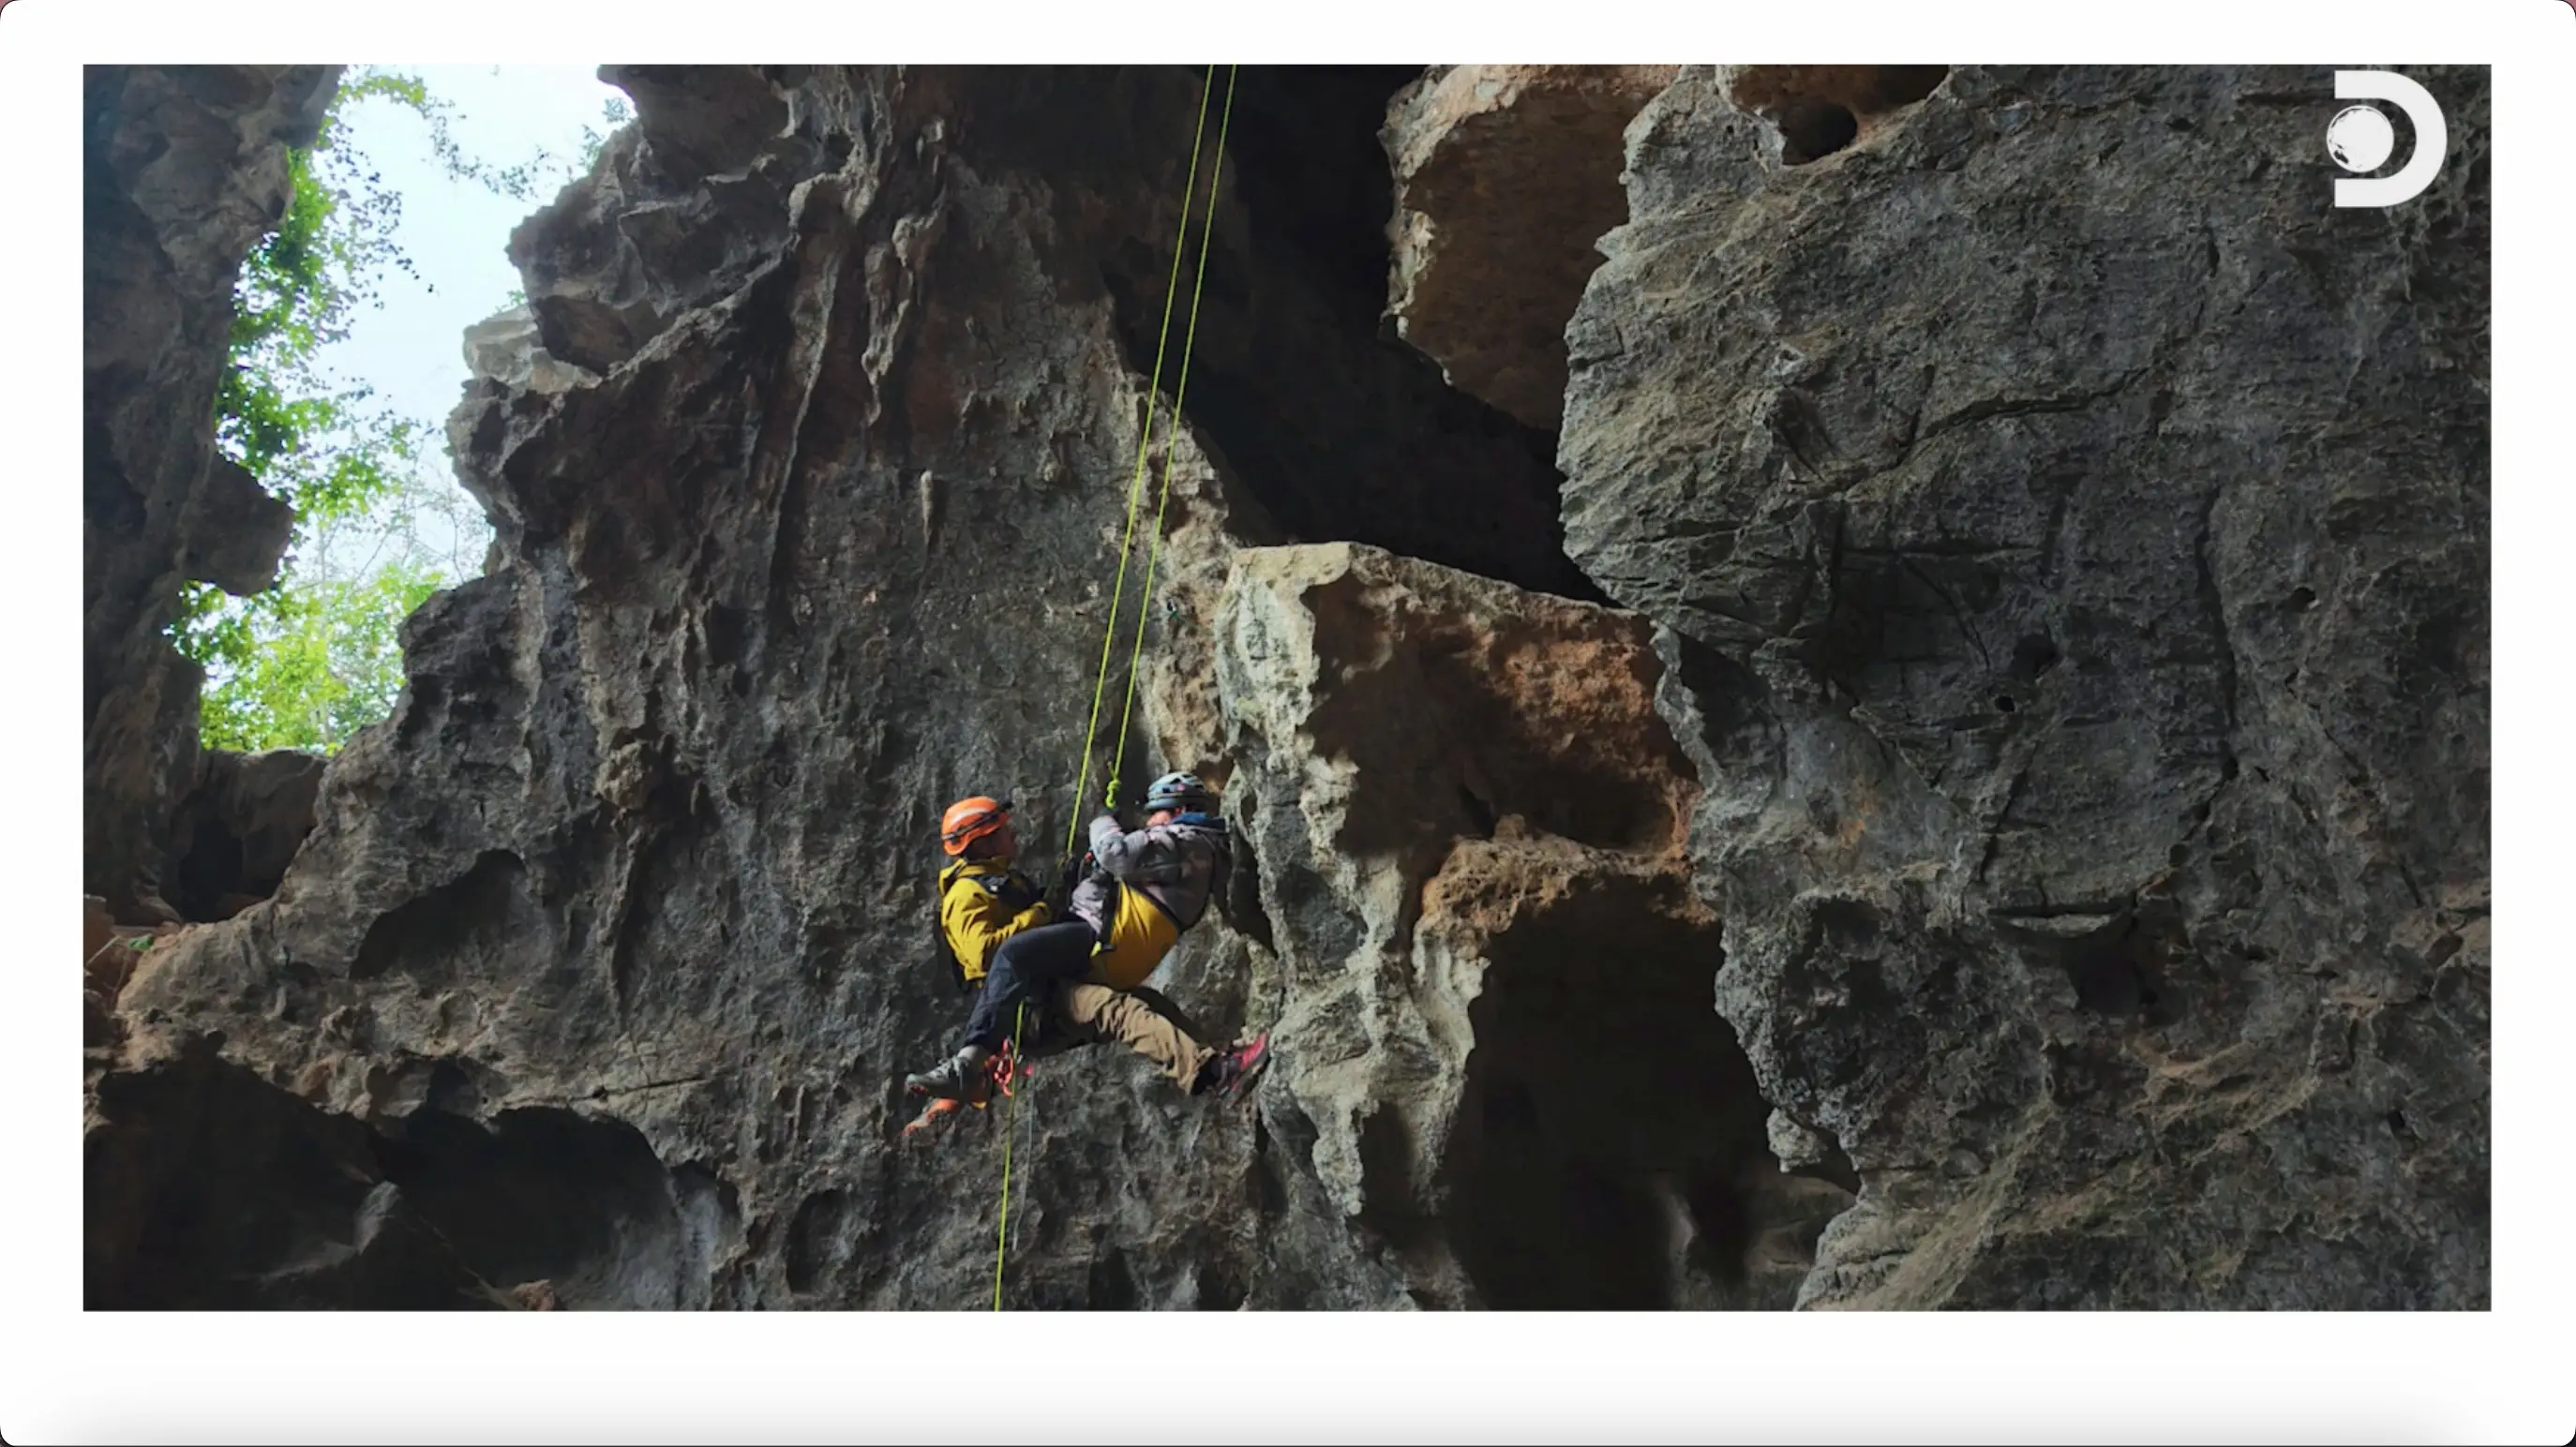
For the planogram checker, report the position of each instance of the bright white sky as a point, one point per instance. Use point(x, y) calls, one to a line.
point(457, 234)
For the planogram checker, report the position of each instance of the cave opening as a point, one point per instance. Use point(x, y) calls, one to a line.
point(1611, 1150)
point(1812, 129)
point(1341, 430)
point(208, 1187)
point(547, 1195)
point(1819, 110)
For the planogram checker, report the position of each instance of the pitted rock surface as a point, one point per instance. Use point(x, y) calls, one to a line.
point(1991, 753)
point(1505, 176)
point(809, 465)
point(2070, 534)
point(185, 170)
point(1498, 1053)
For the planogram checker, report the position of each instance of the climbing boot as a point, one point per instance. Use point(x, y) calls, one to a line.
point(1231, 1074)
point(966, 1075)
point(931, 1115)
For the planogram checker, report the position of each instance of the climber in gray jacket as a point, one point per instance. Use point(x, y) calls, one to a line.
point(1134, 895)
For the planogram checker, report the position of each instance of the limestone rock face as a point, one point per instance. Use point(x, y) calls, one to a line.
point(607, 953)
point(240, 827)
point(1816, 110)
point(185, 170)
point(505, 349)
point(595, 980)
point(2070, 536)
point(1498, 1057)
point(1505, 175)
point(2007, 779)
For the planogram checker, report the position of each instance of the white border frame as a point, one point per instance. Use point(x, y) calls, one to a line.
point(67, 1375)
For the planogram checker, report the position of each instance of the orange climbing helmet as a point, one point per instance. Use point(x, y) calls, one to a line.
point(968, 820)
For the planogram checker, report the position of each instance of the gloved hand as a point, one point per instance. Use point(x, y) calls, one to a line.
point(1076, 869)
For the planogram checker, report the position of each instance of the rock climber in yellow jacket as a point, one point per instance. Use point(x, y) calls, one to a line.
point(1077, 978)
point(973, 922)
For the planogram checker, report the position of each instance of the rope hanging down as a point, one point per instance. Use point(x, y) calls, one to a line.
point(1126, 547)
point(1171, 436)
point(1144, 443)
point(1001, 1232)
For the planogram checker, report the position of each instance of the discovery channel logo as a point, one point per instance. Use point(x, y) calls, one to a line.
point(2360, 138)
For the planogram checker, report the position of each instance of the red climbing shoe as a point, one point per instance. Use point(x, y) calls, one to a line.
point(1231, 1074)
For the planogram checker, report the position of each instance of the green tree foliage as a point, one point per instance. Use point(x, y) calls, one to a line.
point(615, 113)
point(307, 663)
point(317, 662)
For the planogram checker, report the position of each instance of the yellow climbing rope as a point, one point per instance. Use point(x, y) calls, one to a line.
point(1126, 547)
point(1154, 550)
point(1144, 442)
point(1001, 1231)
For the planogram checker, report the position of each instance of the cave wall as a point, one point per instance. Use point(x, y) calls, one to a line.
point(2070, 536)
point(808, 460)
point(2043, 714)
point(1498, 1057)
point(1504, 176)
point(184, 171)
point(644, 842)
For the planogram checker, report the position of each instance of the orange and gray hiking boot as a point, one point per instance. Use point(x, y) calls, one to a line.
point(931, 1115)
point(1229, 1075)
point(966, 1075)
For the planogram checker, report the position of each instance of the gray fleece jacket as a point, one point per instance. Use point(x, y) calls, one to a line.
point(1181, 865)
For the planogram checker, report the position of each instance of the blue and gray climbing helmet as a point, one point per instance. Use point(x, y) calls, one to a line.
point(1180, 793)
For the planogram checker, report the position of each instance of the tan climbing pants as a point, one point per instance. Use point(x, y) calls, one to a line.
point(1142, 1020)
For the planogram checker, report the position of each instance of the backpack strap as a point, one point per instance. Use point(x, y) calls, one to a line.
point(1220, 870)
point(941, 954)
point(1014, 891)
point(1222, 877)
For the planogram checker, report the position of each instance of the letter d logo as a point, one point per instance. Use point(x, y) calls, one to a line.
point(2360, 138)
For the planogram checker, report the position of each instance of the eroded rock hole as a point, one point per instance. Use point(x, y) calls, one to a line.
point(1812, 129)
point(1903, 85)
point(1218, 1290)
point(2118, 970)
point(210, 1189)
point(1242, 907)
point(2033, 655)
point(1480, 815)
point(1342, 432)
point(813, 1239)
point(239, 829)
point(1610, 1151)
point(424, 938)
point(579, 1202)
point(1821, 109)
point(1111, 1284)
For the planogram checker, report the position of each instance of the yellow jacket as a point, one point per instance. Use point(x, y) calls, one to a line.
point(976, 920)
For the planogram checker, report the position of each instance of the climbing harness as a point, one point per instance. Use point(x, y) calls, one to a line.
point(1126, 547)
